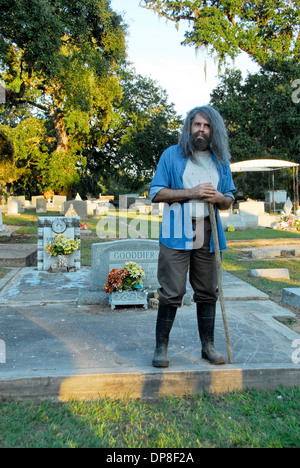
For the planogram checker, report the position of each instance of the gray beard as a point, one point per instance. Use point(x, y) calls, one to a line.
point(200, 145)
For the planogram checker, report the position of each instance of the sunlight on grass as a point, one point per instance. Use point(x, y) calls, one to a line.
point(238, 419)
point(242, 267)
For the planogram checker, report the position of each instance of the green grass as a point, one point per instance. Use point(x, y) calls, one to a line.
point(267, 233)
point(137, 222)
point(248, 419)
point(242, 267)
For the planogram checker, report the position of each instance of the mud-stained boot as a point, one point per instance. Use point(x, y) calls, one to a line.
point(206, 314)
point(165, 319)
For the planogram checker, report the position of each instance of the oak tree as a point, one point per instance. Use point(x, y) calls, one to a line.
point(268, 31)
point(58, 60)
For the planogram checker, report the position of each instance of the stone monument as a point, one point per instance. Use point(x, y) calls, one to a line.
point(41, 205)
point(109, 255)
point(3, 227)
point(79, 206)
point(13, 208)
point(48, 227)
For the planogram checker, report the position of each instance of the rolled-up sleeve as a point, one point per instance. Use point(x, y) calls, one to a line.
point(227, 186)
point(154, 191)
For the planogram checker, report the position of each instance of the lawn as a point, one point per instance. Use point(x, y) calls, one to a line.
point(249, 419)
point(234, 263)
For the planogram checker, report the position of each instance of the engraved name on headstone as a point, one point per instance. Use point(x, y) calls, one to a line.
point(108, 255)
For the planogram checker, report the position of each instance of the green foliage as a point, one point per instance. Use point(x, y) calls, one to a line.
point(238, 419)
point(22, 147)
point(76, 119)
point(124, 158)
point(263, 122)
point(150, 125)
point(58, 60)
point(260, 115)
point(266, 30)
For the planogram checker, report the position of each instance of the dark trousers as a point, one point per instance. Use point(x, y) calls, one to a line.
point(173, 267)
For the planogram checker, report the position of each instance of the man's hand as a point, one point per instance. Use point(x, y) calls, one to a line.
point(205, 192)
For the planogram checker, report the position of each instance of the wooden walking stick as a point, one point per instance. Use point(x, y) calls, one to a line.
point(219, 276)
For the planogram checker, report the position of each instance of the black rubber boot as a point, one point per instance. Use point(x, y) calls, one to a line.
point(165, 319)
point(206, 314)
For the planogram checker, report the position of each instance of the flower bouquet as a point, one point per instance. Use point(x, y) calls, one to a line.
point(125, 285)
point(49, 194)
point(127, 278)
point(62, 248)
point(288, 222)
point(4, 193)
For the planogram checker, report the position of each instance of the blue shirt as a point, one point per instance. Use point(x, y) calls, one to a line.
point(176, 228)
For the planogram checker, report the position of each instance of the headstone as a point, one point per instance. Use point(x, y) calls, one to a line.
point(271, 273)
point(109, 255)
point(21, 198)
point(3, 227)
point(71, 212)
point(79, 206)
point(13, 208)
point(20, 206)
point(291, 297)
point(48, 227)
point(91, 207)
point(41, 205)
point(101, 210)
point(58, 201)
point(35, 198)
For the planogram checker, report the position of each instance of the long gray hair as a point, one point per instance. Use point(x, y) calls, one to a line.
point(219, 138)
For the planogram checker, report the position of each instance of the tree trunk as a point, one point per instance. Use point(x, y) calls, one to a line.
point(62, 138)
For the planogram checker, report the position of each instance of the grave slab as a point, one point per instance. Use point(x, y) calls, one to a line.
point(18, 255)
point(291, 297)
point(271, 273)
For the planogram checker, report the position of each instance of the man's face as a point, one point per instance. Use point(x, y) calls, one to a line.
point(200, 133)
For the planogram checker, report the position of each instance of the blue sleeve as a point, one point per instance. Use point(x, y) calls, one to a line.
point(161, 177)
point(227, 186)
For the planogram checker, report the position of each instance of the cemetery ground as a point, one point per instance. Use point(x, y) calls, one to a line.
point(234, 260)
point(239, 419)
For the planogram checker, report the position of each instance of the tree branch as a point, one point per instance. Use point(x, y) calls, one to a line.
point(34, 104)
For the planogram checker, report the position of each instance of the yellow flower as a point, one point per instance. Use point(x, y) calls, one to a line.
point(62, 246)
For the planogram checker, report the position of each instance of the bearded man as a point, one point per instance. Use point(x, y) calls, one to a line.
point(188, 177)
